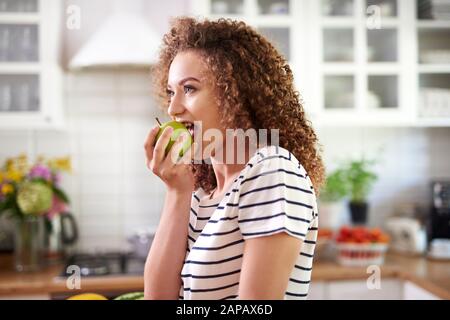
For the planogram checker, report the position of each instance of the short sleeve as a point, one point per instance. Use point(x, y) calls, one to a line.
point(276, 195)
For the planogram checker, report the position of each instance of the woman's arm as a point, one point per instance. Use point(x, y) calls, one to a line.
point(168, 251)
point(266, 266)
point(162, 274)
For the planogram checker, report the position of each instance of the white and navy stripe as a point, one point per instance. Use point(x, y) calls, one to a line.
point(272, 194)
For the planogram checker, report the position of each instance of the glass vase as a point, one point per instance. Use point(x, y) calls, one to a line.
point(29, 244)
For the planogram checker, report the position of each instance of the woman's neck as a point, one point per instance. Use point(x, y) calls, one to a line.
point(226, 173)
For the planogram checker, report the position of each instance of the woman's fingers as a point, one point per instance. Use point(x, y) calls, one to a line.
point(161, 144)
point(150, 143)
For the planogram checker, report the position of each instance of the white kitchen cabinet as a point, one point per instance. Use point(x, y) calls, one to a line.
point(317, 290)
point(356, 62)
point(30, 75)
point(276, 19)
point(390, 289)
point(414, 292)
point(361, 60)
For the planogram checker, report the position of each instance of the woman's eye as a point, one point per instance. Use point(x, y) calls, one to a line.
point(169, 93)
point(188, 89)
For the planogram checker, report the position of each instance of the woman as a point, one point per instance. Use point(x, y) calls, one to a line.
point(232, 230)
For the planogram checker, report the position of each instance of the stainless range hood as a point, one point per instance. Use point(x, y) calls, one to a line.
point(124, 39)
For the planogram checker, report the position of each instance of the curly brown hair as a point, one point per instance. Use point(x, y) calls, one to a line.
point(253, 83)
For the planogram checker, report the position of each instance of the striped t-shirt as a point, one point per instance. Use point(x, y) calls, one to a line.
point(272, 194)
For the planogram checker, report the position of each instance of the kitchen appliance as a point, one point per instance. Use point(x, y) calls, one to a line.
point(102, 264)
point(141, 241)
point(439, 223)
point(61, 238)
point(439, 249)
point(408, 235)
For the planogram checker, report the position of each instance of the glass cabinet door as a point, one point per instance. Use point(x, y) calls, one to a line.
point(227, 7)
point(382, 45)
point(19, 48)
point(382, 92)
point(337, 8)
point(434, 95)
point(273, 7)
point(360, 64)
point(338, 45)
point(434, 46)
point(19, 93)
point(19, 43)
point(280, 37)
point(385, 8)
point(339, 91)
point(18, 6)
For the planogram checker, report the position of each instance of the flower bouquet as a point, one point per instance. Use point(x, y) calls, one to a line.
point(31, 193)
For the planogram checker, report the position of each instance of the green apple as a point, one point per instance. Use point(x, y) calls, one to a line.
point(178, 129)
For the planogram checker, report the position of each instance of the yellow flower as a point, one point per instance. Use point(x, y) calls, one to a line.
point(63, 164)
point(14, 175)
point(19, 163)
point(2, 176)
point(7, 189)
point(9, 164)
point(40, 159)
point(22, 163)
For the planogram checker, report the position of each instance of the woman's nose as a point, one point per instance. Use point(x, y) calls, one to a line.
point(175, 107)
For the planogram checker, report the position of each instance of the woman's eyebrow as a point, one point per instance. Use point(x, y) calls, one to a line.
point(182, 81)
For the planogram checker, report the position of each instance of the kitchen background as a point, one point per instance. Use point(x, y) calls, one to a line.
point(105, 112)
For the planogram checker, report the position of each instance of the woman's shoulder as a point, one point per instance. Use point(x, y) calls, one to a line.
point(270, 163)
point(275, 156)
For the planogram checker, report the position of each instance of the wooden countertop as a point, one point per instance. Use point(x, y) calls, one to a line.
point(46, 281)
point(433, 276)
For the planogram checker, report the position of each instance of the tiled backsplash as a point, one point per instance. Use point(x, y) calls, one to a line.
point(108, 116)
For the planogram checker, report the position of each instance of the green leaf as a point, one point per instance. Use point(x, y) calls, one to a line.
point(352, 178)
point(361, 179)
point(336, 187)
point(40, 180)
point(61, 194)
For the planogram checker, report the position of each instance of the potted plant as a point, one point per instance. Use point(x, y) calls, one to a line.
point(360, 178)
point(335, 190)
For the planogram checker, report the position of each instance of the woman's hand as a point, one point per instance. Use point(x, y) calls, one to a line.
point(175, 172)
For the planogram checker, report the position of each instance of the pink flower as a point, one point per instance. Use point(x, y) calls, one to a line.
point(58, 207)
point(40, 171)
point(56, 177)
